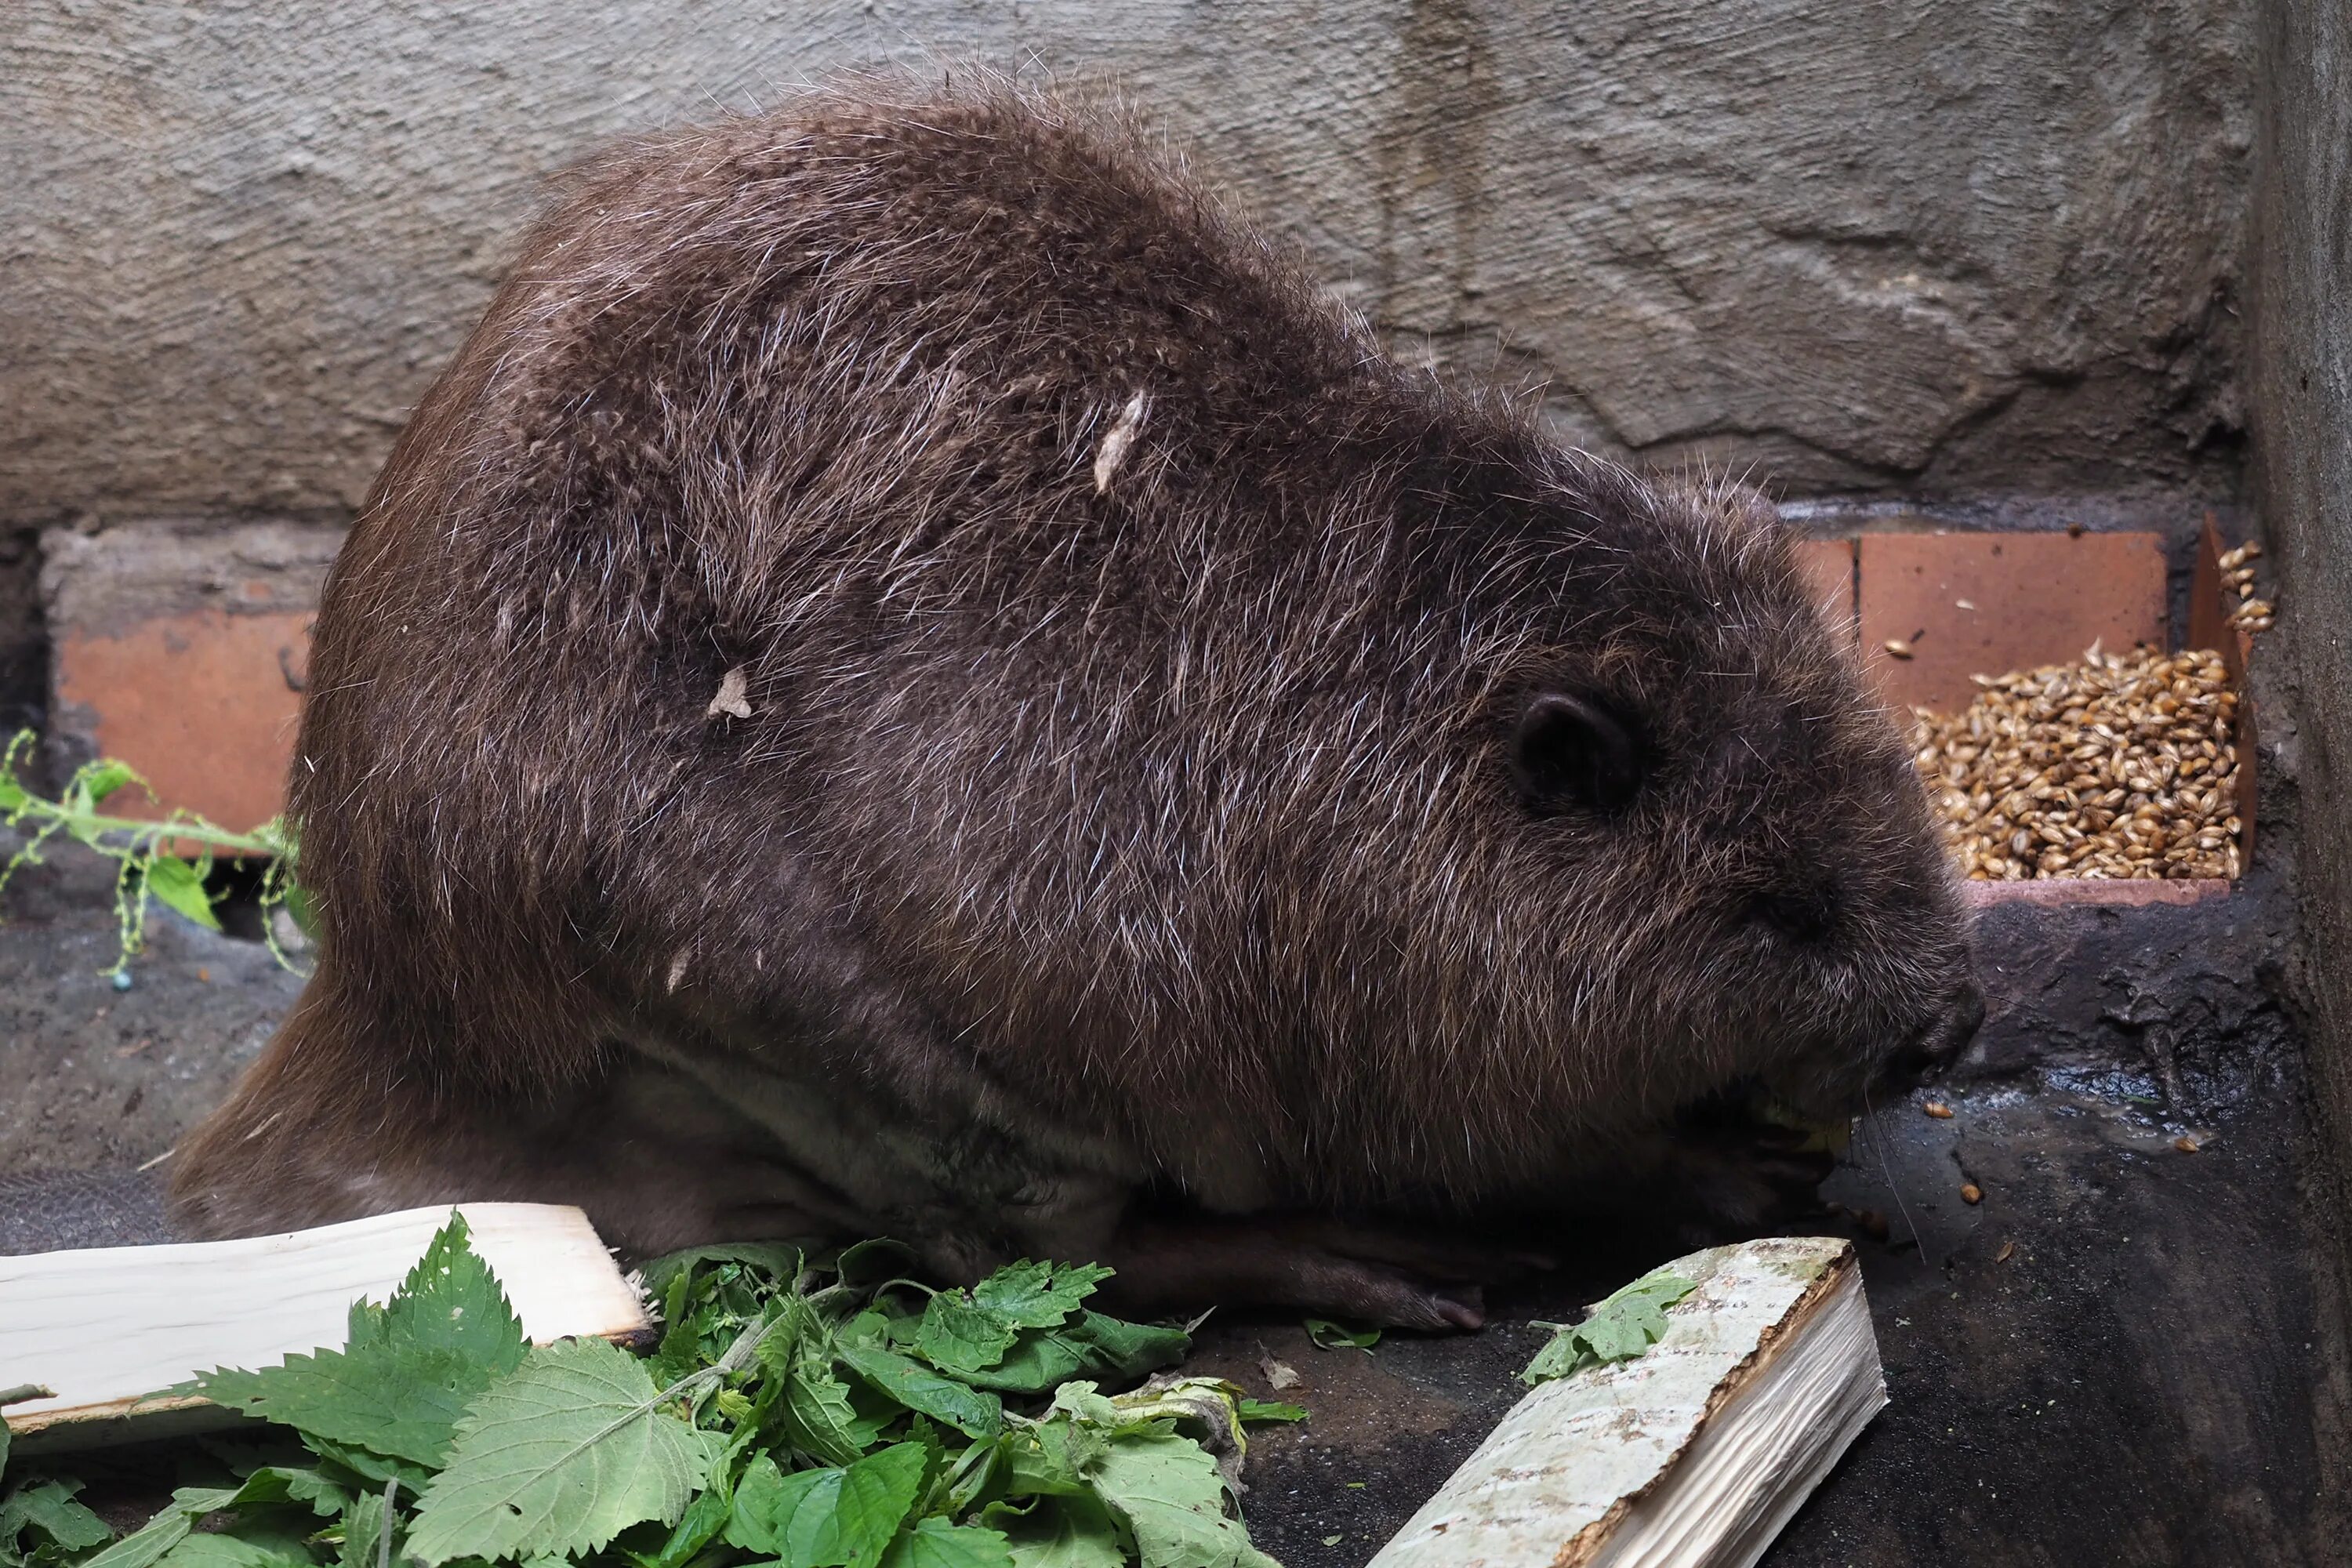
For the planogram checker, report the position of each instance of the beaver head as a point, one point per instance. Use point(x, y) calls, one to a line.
point(1692, 764)
point(1663, 844)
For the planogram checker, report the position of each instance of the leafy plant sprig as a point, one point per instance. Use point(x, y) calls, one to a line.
point(798, 1413)
point(149, 854)
point(1620, 1329)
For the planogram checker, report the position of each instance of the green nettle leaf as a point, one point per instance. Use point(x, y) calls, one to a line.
point(1038, 1295)
point(802, 1506)
point(918, 1388)
point(707, 1310)
point(872, 1328)
point(408, 1372)
point(1327, 1335)
point(802, 1339)
point(1619, 1338)
point(1048, 1459)
point(759, 1500)
point(48, 1512)
point(1563, 1355)
point(702, 1522)
point(560, 1457)
point(680, 1349)
point(848, 1519)
point(450, 1300)
point(819, 1417)
point(1037, 1364)
point(147, 1544)
point(179, 885)
point(225, 1549)
point(1084, 1400)
point(1621, 1328)
point(298, 904)
point(96, 781)
point(401, 1403)
point(1094, 1345)
point(1268, 1410)
point(373, 1469)
point(325, 1496)
point(779, 1263)
point(163, 1534)
point(363, 1532)
point(1059, 1533)
point(959, 1336)
point(167, 1529)
point(1168, 1492)
point(1116, 1348)
point(936, 1543)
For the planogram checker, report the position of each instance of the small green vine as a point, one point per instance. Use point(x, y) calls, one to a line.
point(150, 854)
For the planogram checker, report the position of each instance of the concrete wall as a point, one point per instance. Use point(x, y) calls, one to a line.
point(2303, 482)
point(1917, 243)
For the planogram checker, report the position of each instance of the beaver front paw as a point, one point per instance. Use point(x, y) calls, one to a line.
point(1374, 1273)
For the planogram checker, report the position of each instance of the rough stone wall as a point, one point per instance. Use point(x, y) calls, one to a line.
point(1910, 244)
point(2301, 407)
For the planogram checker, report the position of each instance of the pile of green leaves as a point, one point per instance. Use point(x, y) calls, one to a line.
point(795, 1414)
point(166, 859)
point(40, 1522)
point(1619, 1329)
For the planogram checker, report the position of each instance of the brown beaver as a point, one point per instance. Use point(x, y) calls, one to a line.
point(916, 676)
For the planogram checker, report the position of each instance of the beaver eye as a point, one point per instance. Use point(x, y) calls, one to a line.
point(1572, 752)
point(1808, 914)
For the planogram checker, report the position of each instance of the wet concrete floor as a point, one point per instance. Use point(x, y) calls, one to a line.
point(2106, 1360)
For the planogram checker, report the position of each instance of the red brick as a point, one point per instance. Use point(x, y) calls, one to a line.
point(1828, 565)
point(203, 702)
point(2037, 598)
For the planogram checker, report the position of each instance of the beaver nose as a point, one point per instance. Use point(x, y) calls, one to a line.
point(1940, 1043)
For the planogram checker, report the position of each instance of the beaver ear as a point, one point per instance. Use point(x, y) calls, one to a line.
point(1571, 751)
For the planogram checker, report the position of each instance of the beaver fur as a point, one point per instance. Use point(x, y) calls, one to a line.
point(915, 676)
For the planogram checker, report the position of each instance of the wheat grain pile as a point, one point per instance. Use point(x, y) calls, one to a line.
point(2122, 765)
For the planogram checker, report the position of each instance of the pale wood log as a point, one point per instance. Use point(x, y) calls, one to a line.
point(1695, 1453)
point(106, 1329)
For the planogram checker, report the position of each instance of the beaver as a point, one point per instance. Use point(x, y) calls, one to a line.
point(916, 676)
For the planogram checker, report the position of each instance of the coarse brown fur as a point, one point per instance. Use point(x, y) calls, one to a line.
point(915, 676)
